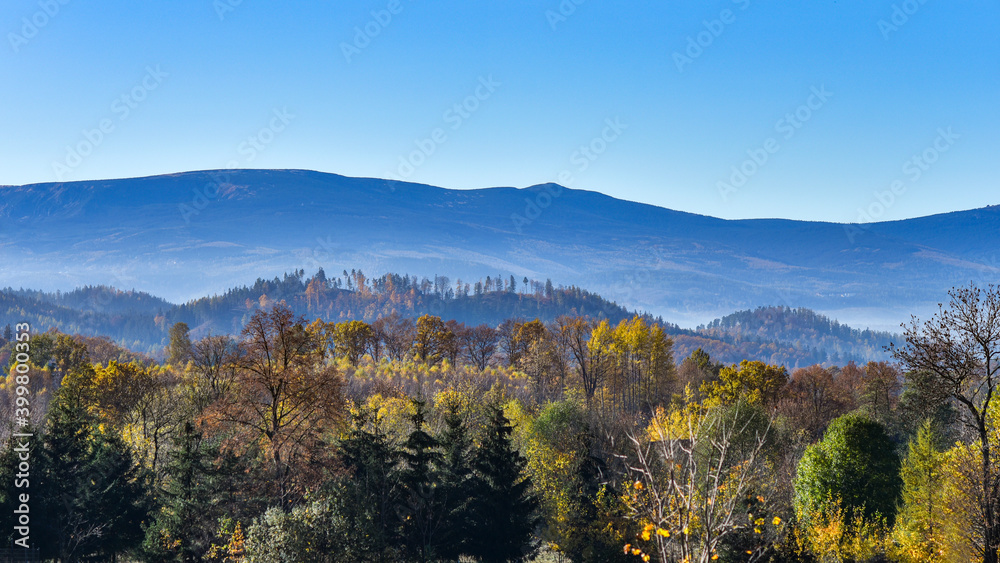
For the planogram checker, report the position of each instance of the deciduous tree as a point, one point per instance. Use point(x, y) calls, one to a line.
point(959, 348)
point(283, 395)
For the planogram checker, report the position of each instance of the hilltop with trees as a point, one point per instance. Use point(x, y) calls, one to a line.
point(141, 322)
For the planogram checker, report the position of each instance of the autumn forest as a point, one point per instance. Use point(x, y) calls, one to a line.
point(580, 437)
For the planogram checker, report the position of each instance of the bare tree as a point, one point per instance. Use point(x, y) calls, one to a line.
point(212, 372)
point(508, 341)
point(591, 365)
point(697, 481)
point(959, 348)
point(811, 399)
point(397, 335)
point(480, 344)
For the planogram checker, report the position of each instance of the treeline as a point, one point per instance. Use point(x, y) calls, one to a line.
point(790, 337)
point(140, 321)
point(328, 441)
point(577, 439)
point(354, 296)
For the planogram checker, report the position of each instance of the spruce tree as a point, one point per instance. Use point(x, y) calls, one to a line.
point(505, 510)
point(422, 510)
point(456, 487)
point(93, 496)
point(369, 495)
point(201, 490)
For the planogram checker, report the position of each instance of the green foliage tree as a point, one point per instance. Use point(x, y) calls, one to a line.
point(92, 496)
point(312, 533)
point(919, 523)
point(505, 509)
point(855, 463)
point(204, 486)
point(369, 495)
point(581, 512)
point(455, 487)
point(423, 513)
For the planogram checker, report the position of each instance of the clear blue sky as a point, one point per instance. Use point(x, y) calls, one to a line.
point(548, 83)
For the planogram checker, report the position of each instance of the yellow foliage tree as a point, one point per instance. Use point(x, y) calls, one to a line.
point(755, 382)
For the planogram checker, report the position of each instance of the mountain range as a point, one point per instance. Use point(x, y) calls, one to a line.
point(183, 236)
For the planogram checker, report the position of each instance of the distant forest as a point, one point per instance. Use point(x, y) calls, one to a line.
point(140, 322)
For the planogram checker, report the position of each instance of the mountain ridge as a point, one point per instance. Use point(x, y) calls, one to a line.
point(193, 233)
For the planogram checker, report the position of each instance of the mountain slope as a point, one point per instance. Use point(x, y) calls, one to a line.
point(197, 233)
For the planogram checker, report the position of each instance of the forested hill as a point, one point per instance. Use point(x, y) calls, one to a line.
point(783, 335)
point(779, 335)
point(353, 296)
point(141, 321)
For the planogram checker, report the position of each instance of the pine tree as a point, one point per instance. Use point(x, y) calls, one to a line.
point(422, 515)
point(369, 496)
point(456, 487)
point(198, 494)
point(93, 496)
point(505, 511)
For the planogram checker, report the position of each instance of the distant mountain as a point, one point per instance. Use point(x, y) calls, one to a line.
point(790, 337)
point(197, 233)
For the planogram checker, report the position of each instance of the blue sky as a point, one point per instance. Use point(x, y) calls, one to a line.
point(682, 105)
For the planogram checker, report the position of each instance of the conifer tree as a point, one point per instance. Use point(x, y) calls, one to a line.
point(920, 518)
point(422, 511)
point(92, 495)
point(505, 510)
point(369, 496)
point(456, 486)
point(199, 493)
